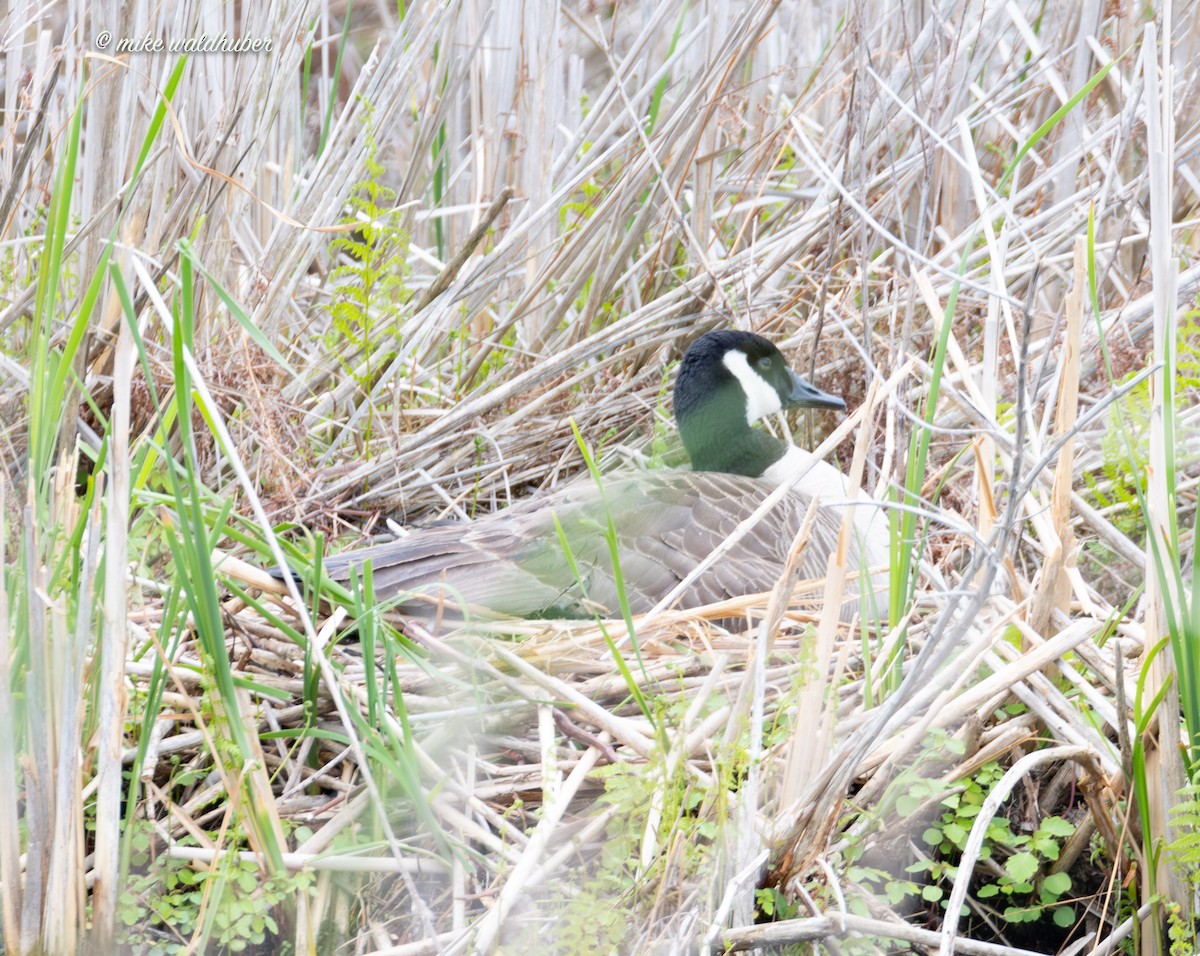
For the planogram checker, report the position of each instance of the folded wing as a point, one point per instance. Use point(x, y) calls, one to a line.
point(515, 562)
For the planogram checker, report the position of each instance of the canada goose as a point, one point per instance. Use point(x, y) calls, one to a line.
point(513, 562)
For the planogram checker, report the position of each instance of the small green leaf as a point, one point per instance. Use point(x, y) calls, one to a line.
point(1046, 846)
point(1022, 866)
point(956, 833)
point(1057, 883)
point(899, 890)
point(1064, 916)
point(998, 832)
point(1057, 826)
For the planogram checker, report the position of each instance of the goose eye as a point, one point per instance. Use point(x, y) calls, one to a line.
point(764, 363)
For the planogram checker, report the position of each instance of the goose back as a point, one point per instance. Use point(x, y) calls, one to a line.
point(514, 562)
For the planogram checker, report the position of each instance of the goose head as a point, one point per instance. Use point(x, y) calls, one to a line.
point(728, 380)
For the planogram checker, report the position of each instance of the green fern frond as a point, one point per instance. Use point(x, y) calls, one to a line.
point(1125, 445)
point(370, 281)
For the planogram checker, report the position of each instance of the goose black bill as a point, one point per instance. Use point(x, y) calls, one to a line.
point(804, 395)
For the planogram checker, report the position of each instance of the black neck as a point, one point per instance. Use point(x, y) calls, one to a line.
point(717, 438)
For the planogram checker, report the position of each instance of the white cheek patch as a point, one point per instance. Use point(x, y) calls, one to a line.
point(761, 398)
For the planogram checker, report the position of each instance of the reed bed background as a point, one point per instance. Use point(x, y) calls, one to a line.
point(258, 304)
